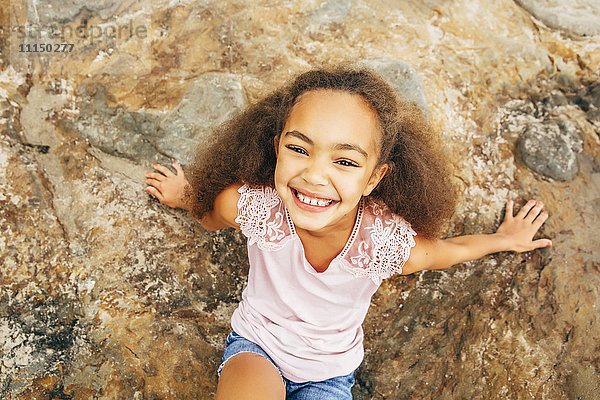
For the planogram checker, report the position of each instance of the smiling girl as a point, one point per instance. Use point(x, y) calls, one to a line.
point(337, 185)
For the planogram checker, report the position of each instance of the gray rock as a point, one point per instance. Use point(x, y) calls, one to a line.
point(594, 116)
point(579, 17)
point(332, 11)
point(550, 148)
point(139, 135)
point(210, 100)
point(556, 99)
point(114, 130)
point(47, 12)
point(403, 78)
point(595, 94)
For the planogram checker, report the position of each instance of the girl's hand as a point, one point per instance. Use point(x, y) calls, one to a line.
point(166, 186)
point(518, 231)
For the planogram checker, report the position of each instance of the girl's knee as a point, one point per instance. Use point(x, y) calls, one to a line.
point(250, 376)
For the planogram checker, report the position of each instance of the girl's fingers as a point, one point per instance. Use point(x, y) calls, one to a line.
point(540, 220)
point(154, 182)
point(525, 209)
point(534, 212)
point(154, 192)
point(178, 168)
point(155, 176)
point(509, 210)
point(541, 243)
point(165, 171)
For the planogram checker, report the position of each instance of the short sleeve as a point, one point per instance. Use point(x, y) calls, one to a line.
point(383, 244)
point(261, 215)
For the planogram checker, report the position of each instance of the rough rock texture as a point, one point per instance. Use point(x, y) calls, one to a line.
point(580, 17)
point(211, 99)
point(54, 11)
point(403, 78)
point(550, 148)
point(105, 293)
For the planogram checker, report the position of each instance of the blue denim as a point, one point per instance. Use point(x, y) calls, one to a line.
point(337, 388)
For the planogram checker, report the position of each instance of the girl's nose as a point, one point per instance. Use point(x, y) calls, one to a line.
point(315, 173)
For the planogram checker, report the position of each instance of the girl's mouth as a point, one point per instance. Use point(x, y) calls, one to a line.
point(311, 201)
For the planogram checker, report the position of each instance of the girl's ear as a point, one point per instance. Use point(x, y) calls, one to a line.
point(276, 143)
point(376, 177)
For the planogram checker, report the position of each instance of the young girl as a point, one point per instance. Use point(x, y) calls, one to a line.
point(337, 185)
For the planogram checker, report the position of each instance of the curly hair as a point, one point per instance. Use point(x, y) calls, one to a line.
point(417, 185)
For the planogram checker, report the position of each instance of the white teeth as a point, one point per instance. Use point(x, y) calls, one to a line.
point(311, 201)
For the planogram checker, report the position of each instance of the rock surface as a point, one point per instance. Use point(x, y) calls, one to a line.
point(550, 148)
point(105, 293)
point(579, 17)
point(403, 78)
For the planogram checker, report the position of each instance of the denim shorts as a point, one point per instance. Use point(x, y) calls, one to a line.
point(337, 388)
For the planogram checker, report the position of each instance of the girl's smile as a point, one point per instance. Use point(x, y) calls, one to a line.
point(311, 202)
point(326, 158)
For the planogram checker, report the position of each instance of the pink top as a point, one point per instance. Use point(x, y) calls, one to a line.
point(308, 322)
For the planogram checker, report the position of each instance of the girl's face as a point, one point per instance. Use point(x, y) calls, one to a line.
point(326, 158)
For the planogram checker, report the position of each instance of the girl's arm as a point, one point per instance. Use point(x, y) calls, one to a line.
point(514, 234)
point(224, 210)
point(169, 189)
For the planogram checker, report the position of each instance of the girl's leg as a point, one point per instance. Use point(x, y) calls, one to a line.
point(250, 376)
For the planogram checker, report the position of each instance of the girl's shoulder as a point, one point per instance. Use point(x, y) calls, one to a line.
point(257, 197)
point(384, 228)
point(261, 217)
point(376, 211)
point(382, 244)
point(224, 211)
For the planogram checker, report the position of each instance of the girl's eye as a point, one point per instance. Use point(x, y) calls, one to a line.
point(296, 149)
point(347, 163)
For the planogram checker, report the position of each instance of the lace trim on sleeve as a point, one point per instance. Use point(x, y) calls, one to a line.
point(386, 247)
point(261, 218)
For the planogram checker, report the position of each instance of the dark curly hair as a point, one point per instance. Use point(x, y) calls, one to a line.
point(417, 185)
